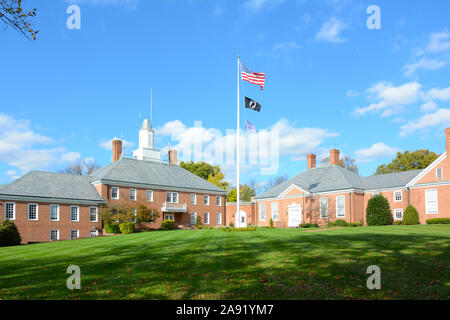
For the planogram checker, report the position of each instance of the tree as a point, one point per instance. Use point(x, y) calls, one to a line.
point(411, 216)
point(206, 171)
point(9, 235)
point(246, 193)
point(274, 181)
point(378, 212)
point(419, 159)
point(345, 162)
point(82, 167)
point(14, 15)
point(125, 213)
point(217, 177)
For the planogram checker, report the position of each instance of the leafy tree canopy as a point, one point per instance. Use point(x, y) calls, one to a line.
point(246, 193)
point(419, 159)
point(206, 171)
point(345, 162)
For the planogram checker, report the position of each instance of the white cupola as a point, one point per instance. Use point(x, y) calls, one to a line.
point(146, 149)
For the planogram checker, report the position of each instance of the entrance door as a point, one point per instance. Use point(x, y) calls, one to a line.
point(294, 215)
point(169, 216)
point(241, 220)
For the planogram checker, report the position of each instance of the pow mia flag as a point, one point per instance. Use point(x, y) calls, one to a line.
point(252, 104)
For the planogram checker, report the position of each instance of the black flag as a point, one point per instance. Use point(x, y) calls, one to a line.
point(252, 104)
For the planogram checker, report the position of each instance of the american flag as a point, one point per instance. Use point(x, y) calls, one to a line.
point(253, 77)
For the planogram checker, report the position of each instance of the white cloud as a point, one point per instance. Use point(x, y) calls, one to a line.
point(426, 64)
point(107, 144)
point(428, 106)
point(439, 119)
point(389, 99)
point(352, 94)
point(330, 31)
point(438, 94)
point(438, 42)
point(258, 5)
point(21, 147)
point(376, 151)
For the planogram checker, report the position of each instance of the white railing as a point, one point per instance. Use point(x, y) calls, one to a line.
point(174, 207)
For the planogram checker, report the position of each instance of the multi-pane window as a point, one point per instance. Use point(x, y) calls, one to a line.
point(219, 218)
point(262, 212)
point(431, 201)
point(323, 208)
point(206, 200)
point(206, 218)
point(149, 195)
point(193, 198)
point(115, 193)
point(74, 213)
point(274, 210)
point(74, 234)
point(218, 201)
point(54, 212)
point(397, 196)
point(93, 214)
point(439, 173)
point(172, 197)
point(398, 214)
point(340, 206)
point(193, 217)
point(10, 211)
point(93, 233)
point(54, 235)
point(32, 211)
point(133, 194)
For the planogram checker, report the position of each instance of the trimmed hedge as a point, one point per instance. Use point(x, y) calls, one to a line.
point(168, 225)
point(340, 223)
point(438, 221)
point(378, 212)
point(126, 227)
point(354, 224)
point(411, 216)
point(112, 228)
point(308, 225)
point(398, 222)
point(9, 235)
point(238, 229)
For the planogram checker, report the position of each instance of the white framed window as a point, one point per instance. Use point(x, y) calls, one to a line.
point(398, 196)
point(398, 214)
point(149, 195)
point(218, 201)
point(206, 218)
point(75, 213)
point(219, 219)
point(431, 201)
point(133, 196)
point(206, 200)
point(262, 212)
point(115, 193)
point(193, 217)
point(274, 206)
point(33, 212)
point(439, 174)
point(193, 198)
point(74, 234)
point(93, 214)
point(93, 233)
point(340, 206)
point(10, 211)
point(54, 235)
point(323, 208)
point(172, 197)
point(54, 212)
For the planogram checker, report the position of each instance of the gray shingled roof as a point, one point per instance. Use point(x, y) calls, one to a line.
point(333, 177)
point(163, 175)
point(51, 185)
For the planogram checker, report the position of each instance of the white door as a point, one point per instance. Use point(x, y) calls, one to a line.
point(169, 216)
point(294, 215)
point(241, 220)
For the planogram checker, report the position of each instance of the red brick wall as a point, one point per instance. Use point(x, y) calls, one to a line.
point(418, 201)
point(248, 208)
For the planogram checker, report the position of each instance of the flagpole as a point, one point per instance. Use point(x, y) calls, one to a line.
point(238, 151)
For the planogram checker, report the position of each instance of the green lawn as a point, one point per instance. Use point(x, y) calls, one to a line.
point(212, 264)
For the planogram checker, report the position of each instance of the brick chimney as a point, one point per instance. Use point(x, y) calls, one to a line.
point(173, 157)
point(116, 149)
point(311, 159)
point(447, 138)
point(334, 156)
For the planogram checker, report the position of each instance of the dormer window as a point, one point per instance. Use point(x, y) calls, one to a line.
point(439, 174)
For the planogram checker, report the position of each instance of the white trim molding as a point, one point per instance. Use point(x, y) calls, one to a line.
point(292, 186)
point(427, 170)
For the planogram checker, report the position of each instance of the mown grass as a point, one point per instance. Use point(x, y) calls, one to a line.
point(212, 264)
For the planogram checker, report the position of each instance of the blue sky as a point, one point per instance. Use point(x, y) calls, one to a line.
point(331, 82)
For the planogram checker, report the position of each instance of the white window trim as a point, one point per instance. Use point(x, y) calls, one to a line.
point(204, 198)
point(260, 211)
point(219, 222)
point(96, 233)
point(320, 208)
point(337, 208)
point(135, 194)
point(195, 217)
point(442, 173)
point(220, 201)
point(437, 202)
point(195, 198)
point(57, 212)
point(96, 214)
point(118, 193)
point(78, 214)
point(146, 195)
point(14, 211)
point(57, 234)
point(401, 196)
point(278, 210)
point(37, 211)
point(209, 218)
point(78, 234)
point(395, 214)
point(171, 196)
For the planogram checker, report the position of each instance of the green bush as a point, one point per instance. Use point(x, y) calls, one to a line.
point(206, 227)
point(357, 224)
point(341, 223)
point(411, 216)
point(398, 222)
point(378, 212)
point(197, 223)
point(308, 225)
point(231, 224)
point(126, 227)
point(238, 229)
point(9, 235)
point(168, 225)
point(112, 228)
point(331, 224)
point(438, 221)
point(271, 223)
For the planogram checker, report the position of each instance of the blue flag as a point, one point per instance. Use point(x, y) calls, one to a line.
point(250, 127)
